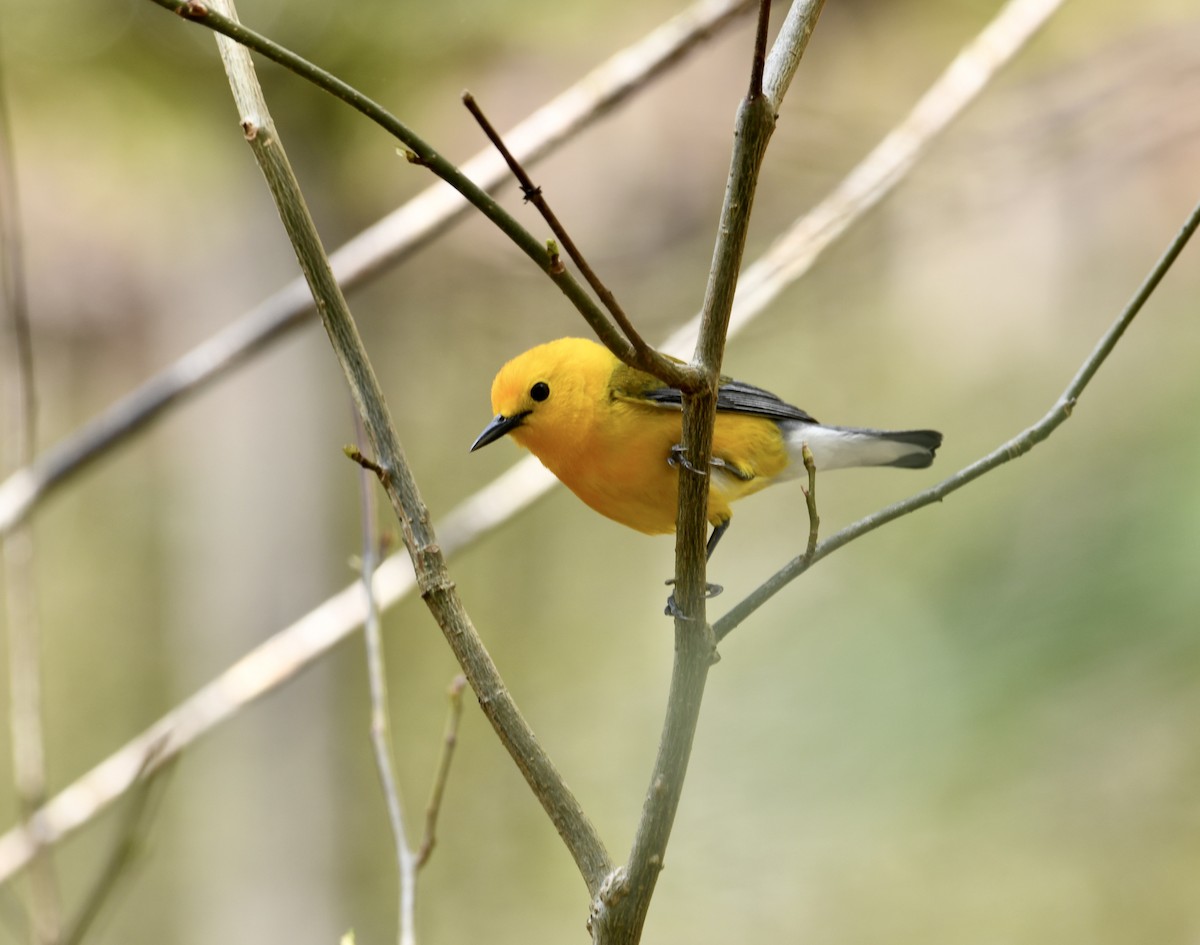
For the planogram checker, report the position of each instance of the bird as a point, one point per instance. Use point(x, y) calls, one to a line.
point(611, 433)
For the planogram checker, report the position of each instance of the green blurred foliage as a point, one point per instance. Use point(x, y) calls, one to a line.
point(976, 725)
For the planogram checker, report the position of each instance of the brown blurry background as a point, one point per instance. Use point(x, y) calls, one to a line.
point(977, 725)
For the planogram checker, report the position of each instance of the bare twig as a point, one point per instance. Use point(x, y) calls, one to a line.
point(437, 589)
point(298, 645)
point(758, 62)
point(810, 499)
point(386, 243)
point(417, 150)
point(1019, 445)
point(381, 732)
point(130, 838)
point(433, 809)
point(793, 253)
point(643, 355)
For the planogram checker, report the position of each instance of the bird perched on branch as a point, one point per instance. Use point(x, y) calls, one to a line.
point(612, 434)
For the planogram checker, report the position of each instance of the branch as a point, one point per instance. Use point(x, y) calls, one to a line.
point(130, 837)
point(418, 152)
point(390, 241)
point(298, 645)
point(380, 728)
point(1019, 445)
point(433, 578)
point(810, 500)
point(643, 356)
point(619, 912)
point(449, 742)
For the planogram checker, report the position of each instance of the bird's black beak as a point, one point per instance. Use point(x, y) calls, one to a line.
point(499, 426)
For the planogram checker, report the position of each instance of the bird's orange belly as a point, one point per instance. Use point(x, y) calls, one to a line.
point(630, 477)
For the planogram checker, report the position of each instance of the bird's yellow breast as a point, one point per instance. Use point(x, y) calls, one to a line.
point(617, 458)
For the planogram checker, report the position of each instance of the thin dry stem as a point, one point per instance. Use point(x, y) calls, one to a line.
point(433, 809)
point(637, 353)
point(810, 499)
point(380, 727)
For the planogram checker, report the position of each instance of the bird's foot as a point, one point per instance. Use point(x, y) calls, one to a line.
point(678, 457)
point(672, 609)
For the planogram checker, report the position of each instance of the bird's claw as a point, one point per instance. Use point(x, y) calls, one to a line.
point(678, 457)
point(672, 608)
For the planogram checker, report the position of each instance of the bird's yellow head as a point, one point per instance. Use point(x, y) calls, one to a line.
point(546, 397)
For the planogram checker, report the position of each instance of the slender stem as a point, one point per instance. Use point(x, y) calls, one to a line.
point(437, 588)
point(131, 834)
point(418, 152)
point(381, 730)
point(637, 353)
point(449, 742)
point(758, 62)
point(810, 499)
point(1019, 445)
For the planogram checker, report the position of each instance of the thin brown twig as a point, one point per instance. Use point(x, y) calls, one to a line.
point(433, 809)
point(356, 455)
point(810, 499)
point(644, 356)
point(759, 61)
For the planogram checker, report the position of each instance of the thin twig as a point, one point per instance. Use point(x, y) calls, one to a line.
point(131, 835)
point(356, 454)
point(437, 589)
point(417, 150)
point(433, 809)
point(1019, 445)
point(644, 356)
point(286, 652)
point(810, 499)
point(381, 732)
point(388, 242)
point(758, 61)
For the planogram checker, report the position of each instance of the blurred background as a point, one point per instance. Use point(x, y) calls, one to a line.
point(978, 724)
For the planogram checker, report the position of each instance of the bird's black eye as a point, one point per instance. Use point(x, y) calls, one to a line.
point(539, 391)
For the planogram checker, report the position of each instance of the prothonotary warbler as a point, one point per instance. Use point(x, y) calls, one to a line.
point(611, 433)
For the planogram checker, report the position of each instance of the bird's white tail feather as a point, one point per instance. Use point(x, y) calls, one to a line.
point(843, 447)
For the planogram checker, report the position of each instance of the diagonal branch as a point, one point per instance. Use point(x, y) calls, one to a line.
point(438, 590)
point(644, 356)
point(1019, 445)
point(418, 151)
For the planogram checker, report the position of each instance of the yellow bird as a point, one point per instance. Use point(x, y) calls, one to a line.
point(611, 433)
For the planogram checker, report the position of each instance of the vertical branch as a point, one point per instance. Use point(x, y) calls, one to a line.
point(381, 730)
point(17, 575)
point(619, 913)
